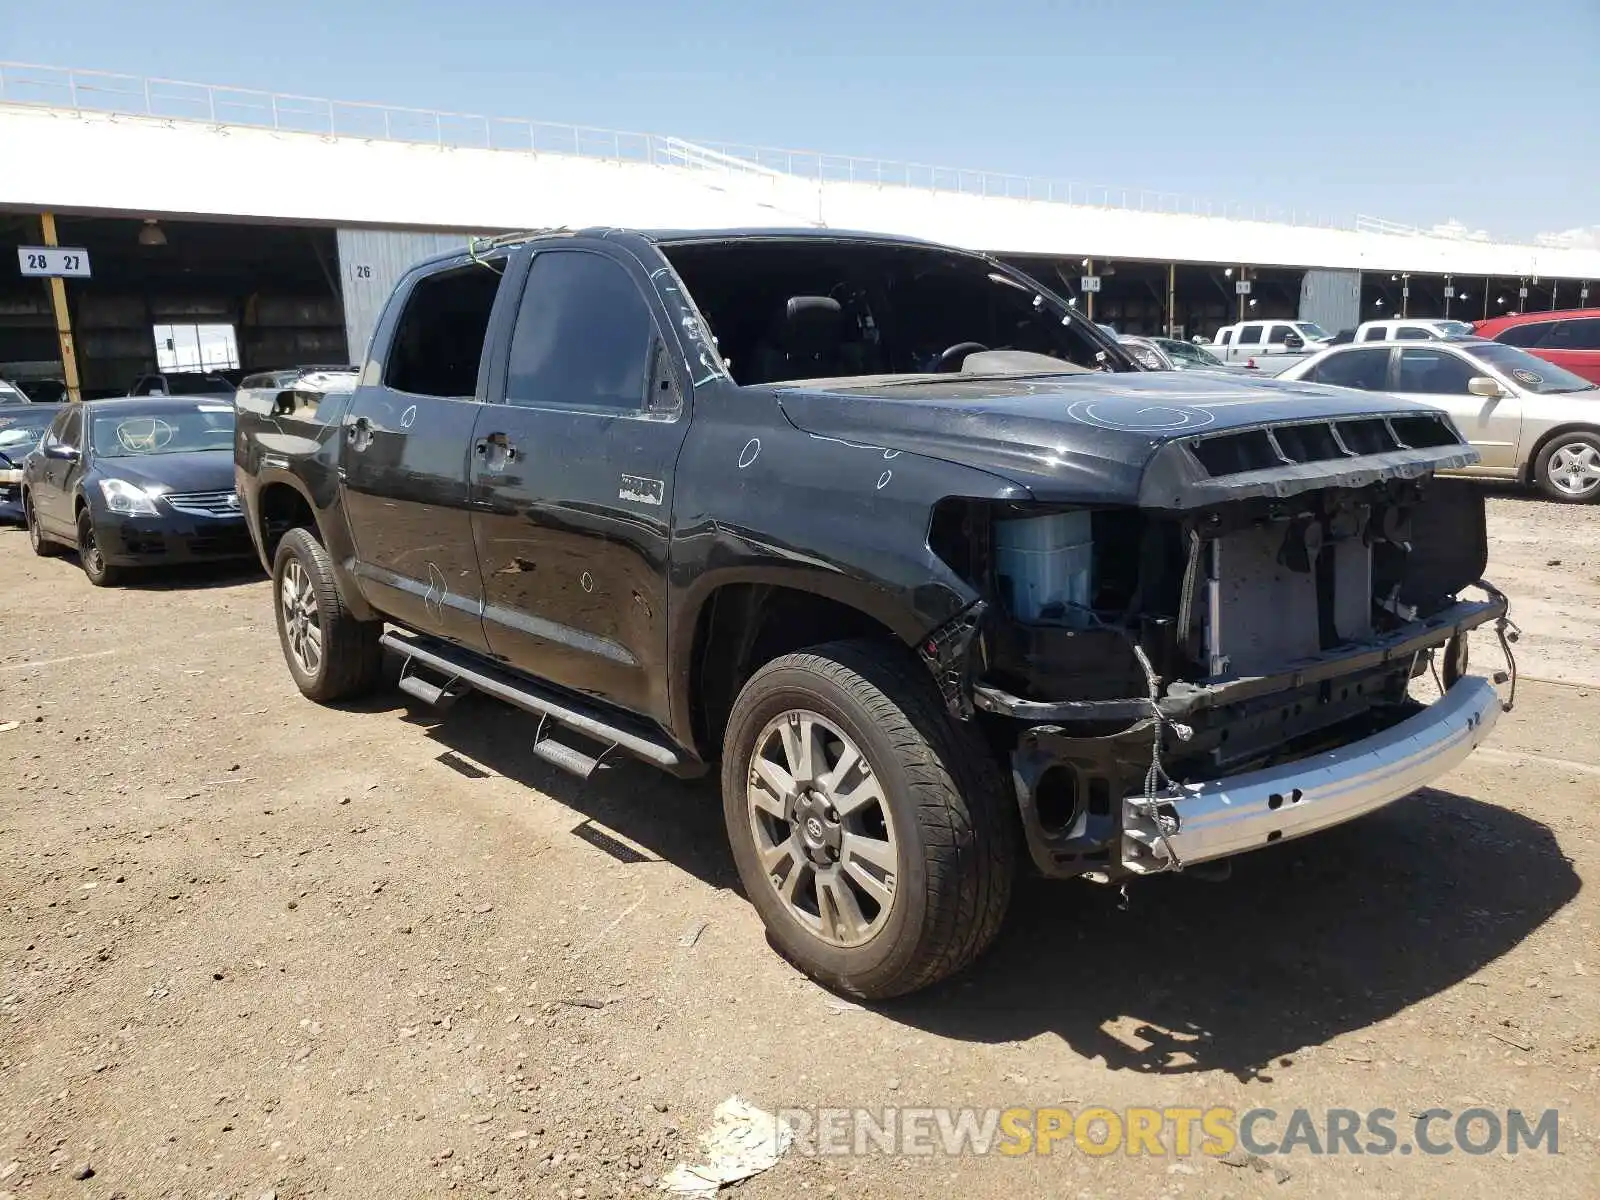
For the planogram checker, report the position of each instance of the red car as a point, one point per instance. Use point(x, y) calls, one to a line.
point(1569, 338)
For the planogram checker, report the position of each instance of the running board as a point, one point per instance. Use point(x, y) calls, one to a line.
point(465, 670)
point(439, 695)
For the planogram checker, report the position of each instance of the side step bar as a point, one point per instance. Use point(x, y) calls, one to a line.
point(466, 671)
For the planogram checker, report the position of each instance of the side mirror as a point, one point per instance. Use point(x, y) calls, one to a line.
point(63, 452)
point(1482, 385)
point(1294, 342)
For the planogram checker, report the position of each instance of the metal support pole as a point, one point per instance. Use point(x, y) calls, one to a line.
point(1172, 292)
point(1089, 298)
point(1449, 286)
point(1244, 273)
point(1555, 286)
point(1488, 286)
point(58, 304)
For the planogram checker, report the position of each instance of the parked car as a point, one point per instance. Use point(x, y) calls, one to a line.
point(1570, 339)
point(1268, 346)
point(21, 427)
point(183, 383)
point(1529, 420)
point(135, 481)
point(1410, 329)
point(10, 393)
point(933, 580)
point(1173, 354)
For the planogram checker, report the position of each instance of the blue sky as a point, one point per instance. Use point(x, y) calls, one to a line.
point(1484, 111)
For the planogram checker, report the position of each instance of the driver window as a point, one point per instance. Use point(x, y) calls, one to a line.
point(71, 435)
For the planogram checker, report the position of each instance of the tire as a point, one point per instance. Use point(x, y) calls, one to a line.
point(939, 805)
point(1568, 468)
point(312, 616)
point(43, 544)
point(91, 558)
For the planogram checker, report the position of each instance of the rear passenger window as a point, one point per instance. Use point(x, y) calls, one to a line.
point(439, 340)
point(1375, 335)
point(1527, 335)
point(583, 335)
point(1249, 335)
point(1411, 335)
point(1364, 369)
point(1581, 334)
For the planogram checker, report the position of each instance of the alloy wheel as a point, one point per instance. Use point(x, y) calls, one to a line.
point(822, 828)
point(302, 621)
point(1574, 469)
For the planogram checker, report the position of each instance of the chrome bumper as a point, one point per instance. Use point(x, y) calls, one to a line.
point(1198, 822)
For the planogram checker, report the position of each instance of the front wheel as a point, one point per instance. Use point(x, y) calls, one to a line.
point(1568, 468)
point(43, 545)
point(870, 831)
point(91, 557)
point(332, 655)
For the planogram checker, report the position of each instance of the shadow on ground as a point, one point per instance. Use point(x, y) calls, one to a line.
point(1305, 942)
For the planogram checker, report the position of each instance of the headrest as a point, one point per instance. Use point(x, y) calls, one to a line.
point(811, 324)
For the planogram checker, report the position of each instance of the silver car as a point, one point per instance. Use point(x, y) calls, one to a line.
point(1531, 420)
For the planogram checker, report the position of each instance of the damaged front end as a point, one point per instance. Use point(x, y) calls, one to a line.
point(1231, 663)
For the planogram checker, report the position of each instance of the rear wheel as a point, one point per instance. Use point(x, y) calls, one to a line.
point(43, 545)
point(1568, 469)
point(91, 557)
point(869, 830)
point(332, 655)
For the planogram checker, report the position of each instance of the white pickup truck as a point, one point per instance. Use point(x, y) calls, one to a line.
point(1269, 346)
point(1411, 329)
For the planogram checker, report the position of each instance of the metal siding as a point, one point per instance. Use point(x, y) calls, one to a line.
point(371, 262)
point(1332, 299)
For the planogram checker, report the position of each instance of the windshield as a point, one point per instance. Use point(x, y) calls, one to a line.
point(1312, 331)
point(1533, 374)
point(171, 429)
point(1188, 352)
point(1453, 328)
point(198, 385)
point(10, 395)
point(20, 434)
point(813, 308)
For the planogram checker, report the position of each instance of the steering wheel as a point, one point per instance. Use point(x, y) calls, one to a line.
point(950, 360)
point(145, 435)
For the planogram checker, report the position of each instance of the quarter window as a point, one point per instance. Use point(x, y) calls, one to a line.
point(583, 335)
point(1411, 334)
point(1375, 335)
point(1433, 373)
point(1249, 335)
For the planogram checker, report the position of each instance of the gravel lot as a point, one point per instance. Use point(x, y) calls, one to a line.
point(251, 946)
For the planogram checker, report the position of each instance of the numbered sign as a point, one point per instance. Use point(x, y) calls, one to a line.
point(70, 262)
point(361, 271)
point(1090, 283)
point(1449, 292)
point(1241, 287)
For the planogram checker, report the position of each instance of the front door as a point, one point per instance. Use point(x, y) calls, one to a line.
point(1437, 376)
point(59, 466)
point(406, 441)
point(572, 477)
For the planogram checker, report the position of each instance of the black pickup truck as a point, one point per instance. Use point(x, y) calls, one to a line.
point(941, 578)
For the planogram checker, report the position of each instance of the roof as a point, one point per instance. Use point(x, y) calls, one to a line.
point(1556, 314)
point(687, 237)
point(152, 403)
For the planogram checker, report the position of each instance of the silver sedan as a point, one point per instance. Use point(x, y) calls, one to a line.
point(1531, 421)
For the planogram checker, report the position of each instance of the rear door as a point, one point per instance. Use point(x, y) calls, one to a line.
point(406, 442)
point(573, 474)
point(1435, 375)
point(1246, 342)
point(1575, 345)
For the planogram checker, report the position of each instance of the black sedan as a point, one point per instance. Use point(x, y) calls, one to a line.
point(21, 427)
point(133, 482)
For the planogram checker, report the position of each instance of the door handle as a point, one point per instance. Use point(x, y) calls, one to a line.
point(496, 450)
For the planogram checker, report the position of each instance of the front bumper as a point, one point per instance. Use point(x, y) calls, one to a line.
point(171, 538)
point(1200, 822)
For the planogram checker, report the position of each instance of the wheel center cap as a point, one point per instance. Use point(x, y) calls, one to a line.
point(814, 831)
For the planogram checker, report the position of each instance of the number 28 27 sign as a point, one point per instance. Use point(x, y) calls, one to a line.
point(48, 261)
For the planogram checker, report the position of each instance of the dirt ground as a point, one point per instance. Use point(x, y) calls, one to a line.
point(253, 947)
